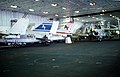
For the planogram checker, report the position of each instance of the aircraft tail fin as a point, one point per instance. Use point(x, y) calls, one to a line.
point(19, 27)
point(50, 27)
point(54, 27)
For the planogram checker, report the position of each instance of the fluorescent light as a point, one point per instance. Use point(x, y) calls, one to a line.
point(110, 14)
point(92, 4)
point(63, 8)
point(53, 4)
point(103, 10)
point(64, 16)
point(93, 17)
point(13, 6)
point(101, 14)
point(56, 15)
point(113, 16)
point(31, 9)
point(83, 20)
point(88, 16)
point(45, 12)
point(77, 11)
point(36, 0)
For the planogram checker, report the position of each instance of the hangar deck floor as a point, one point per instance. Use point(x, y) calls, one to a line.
point(79, 59)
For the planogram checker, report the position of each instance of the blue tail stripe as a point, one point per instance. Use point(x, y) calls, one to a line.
point(44, 27)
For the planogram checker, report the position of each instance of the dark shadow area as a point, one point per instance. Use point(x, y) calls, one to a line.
point(79, 59)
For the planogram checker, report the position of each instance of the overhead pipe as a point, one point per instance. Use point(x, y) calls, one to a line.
point(95, 13)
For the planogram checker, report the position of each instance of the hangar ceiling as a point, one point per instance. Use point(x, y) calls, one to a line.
point(62, 8)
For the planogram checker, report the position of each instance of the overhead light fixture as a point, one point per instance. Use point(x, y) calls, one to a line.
point(88, 15)
point(13, 6)
point(31, 9)
point(101, 14)
point(103, 10)
point(56, 15)
point(45, 12)
point(36, 0)
point(64, 16)
point(92, 4)
point(54, 4)
point(63, 8)
point(110, 14)
point(93, 17)
point(77, 11)
point(113, 16)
